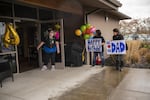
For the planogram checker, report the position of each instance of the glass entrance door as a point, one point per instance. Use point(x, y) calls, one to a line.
point(27, 53)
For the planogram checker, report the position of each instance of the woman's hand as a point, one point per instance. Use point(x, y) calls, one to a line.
point(39, 46)
point(58, 51)
point(57, 46)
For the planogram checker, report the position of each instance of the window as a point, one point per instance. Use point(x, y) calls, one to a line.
point(25, 12)
point(45, 14)
point(5, 9)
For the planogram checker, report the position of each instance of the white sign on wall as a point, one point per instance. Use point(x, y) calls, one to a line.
point(93, 45)
point(116, 47)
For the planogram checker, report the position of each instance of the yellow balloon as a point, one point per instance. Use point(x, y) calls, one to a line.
point(57, 26)
point(78, 32)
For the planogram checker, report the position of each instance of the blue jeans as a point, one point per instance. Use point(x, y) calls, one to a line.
point(101, 56)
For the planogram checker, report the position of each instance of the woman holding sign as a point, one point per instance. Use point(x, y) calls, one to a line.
point(118, 57)
point(100, 53)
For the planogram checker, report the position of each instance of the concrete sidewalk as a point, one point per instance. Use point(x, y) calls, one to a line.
point(130, 84)
point(79, 83)
point(135, 86)
point(41, 85)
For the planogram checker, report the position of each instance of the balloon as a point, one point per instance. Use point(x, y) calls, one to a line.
point(93, 29)
point(57, 35)
point(83, 28)
point(86, 36)
point(90, 27)
point(91, 37)
point(87, 25)
point(88, 31)
point(57, 26)
point(91, 34)
point(84, 32)
point(78, 32)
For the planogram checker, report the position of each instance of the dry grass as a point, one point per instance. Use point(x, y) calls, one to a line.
point(135, 58)
point(138, 52)
point(147, 56)
point(143, 51)
point(132, 53)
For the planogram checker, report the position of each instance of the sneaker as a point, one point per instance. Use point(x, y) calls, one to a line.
point(93, 65)
point(120, 69)
point(53, 68)
point(44, 68)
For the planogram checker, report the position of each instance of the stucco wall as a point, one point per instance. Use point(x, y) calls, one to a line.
point(106, 27)
point(99, 21)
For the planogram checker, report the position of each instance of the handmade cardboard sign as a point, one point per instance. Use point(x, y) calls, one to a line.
point(116, 47)
point(93, 45)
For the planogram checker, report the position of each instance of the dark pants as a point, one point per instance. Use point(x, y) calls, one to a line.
point(47, 57)
point(119, 61)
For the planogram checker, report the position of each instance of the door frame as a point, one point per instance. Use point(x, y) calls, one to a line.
point(59, 65)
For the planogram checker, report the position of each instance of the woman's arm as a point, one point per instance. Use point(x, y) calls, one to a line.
point(39, 46)
point(103, 41)
point(57, 46)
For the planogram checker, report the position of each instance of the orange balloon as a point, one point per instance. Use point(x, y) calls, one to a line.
point(78, 32)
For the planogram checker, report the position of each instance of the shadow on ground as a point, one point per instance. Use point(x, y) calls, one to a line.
point(98, 87)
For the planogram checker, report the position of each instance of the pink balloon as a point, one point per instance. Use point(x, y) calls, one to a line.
point(57, 35)
point(93, 29)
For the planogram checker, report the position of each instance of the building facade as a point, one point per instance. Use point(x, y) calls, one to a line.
point(31, 19)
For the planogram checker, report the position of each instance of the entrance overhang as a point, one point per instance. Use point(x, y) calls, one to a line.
point(103, 4)
point(118, 14)
point(80, 6)
point(71, 6)
point(108, 6)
